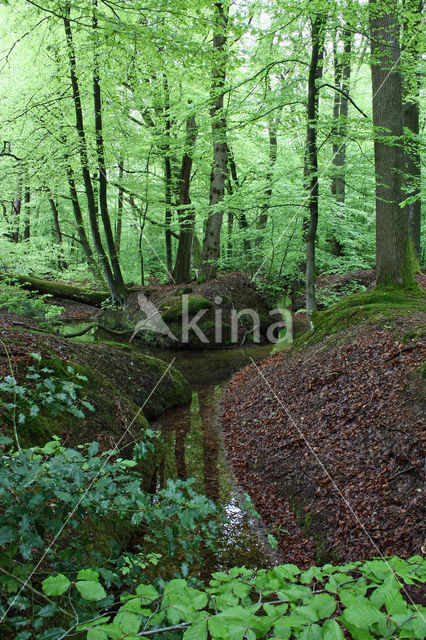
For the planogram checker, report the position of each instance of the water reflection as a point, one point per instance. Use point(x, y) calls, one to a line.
point(194, 449)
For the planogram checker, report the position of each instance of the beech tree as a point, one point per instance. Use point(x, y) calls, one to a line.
point(393, 253)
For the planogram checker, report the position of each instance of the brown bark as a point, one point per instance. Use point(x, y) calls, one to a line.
point(119, 286)
point(311, 168)
point(411, 121)
point(116, 291)
point(211, 244)
point(342, 74)
point(57, 229)
point(393, 259)
point(120, 203)
point(181, 271)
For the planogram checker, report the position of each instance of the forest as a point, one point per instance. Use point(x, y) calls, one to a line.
point(212, 310)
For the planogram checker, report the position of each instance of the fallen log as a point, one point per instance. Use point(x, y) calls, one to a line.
point(62, 290)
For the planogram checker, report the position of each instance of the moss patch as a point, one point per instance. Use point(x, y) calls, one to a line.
point(173, 308)
point(369, 306)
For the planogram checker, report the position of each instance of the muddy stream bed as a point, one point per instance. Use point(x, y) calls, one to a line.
point(195, 449)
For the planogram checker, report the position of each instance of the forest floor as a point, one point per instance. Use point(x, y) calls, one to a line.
point(328, 439)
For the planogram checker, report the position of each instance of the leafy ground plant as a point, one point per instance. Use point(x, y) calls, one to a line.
point(62, 508)
point(360, 600)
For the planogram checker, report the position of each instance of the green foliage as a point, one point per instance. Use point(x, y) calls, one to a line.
point(17, 300)
point(364, 600)
point(63, 508)
point(43, 389)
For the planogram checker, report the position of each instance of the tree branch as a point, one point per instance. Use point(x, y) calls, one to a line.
point(331, 86)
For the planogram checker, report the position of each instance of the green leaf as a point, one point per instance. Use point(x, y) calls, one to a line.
point(362, 614)
point(147, 592)
point(88, 574)
point(7, 534)
point(272, 541)
point(324, 604)
point(90, 590)
point(55, 585)
point(128, 622)
point(96, 634)
point(332, 631)
point(197, 631)
point(312, 632)
point(113, 630)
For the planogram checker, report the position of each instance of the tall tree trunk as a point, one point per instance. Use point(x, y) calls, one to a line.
point(116, 291)
point(78, 217)
point(57, 229)
point(27, 211)
point(411, 121)
point(211, 244)
point(103, 181)
point(16, 209)
point(234, 185)
point(120, 204)
point(311, 168)
point(342, 74)
point(393, 257)
point(168, 176)
point(273, 125)
point(181, 271)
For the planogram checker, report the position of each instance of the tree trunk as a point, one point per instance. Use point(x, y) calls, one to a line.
point(211, 244)
point(16, 210)
point(103, 182)
point(234, 185)
point(78, 217)
point(57, 229)
point(120, 203)
point(27, 219)
point(411, 121)
point(273, 153)
point(61, 290)
point(342, 74)
point(393, 257)
point(115, 290)
point(311, 168)
point(181, 271)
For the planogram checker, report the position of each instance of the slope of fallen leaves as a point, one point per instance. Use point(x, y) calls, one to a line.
point(334, 435)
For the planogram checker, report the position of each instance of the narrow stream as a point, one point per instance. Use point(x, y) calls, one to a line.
point(196, 450)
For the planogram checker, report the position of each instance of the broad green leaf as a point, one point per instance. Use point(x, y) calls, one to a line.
point(96, 634)
point(112, 630)
point(128, 622)
point(90, 590)
point(332, 631)
point(312, 632)
point(88, 574)
point(362, 614)
point(197, 631)
point(7, 534)
point(55, 585)
point(147, 592)
point(324, 604)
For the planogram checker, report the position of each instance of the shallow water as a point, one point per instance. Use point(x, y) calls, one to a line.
point(195, 450)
